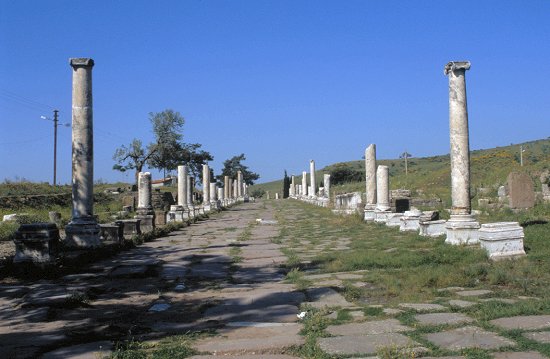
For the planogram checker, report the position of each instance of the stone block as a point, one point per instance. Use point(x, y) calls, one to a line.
point(131, 226)
point(462, 230)
point(147, 223)
point(113, 232)
point(36, 243)
point(502, 240)
point(394, 219)
point(160, 217)
point(83, 234)
point(381, 216)
point(433, 228)
point(521, 190)
point(468, 337)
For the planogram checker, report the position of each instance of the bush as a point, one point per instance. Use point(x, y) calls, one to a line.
point(342, 173)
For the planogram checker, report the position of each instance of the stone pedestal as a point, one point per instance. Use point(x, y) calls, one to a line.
point(369, 215)
point(502, 240)
point(394, 219)
point(112, 232)
point(410, 221)
point(131, 227)
point(381, 216)
point(36, 243)
point(462, 229)
point(160, 218)
point(83, 230)
point(433, 228)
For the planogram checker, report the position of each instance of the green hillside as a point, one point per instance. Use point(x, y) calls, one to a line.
point(430, 176)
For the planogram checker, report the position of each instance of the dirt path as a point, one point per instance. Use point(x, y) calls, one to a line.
point(223, 273)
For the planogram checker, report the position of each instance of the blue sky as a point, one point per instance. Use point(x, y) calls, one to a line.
point(281, 81)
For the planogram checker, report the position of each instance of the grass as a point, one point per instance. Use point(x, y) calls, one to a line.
point(178, 346)
point(404, 267)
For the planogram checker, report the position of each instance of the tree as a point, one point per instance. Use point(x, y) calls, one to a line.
point(233, 165)
point(286, 186)
point(167, 152)
point(133, 156)
point(167, 128)
point(342, 173)
point(406, 156)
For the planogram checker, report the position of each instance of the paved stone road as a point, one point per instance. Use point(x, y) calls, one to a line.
point(225, 274)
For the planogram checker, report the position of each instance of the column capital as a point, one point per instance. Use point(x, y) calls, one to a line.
point(81, 62)
point(456, 65)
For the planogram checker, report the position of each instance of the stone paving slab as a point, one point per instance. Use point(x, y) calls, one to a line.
point(284, 313)
point(422, 307)
point(474, 293)
point(461, 303)
point(251, 340)
point(324, 296)
point(468, 337)
point(524, 322)
point(82, 351)
point(368, 328)
point(541, 337)
point(519, 355)
point(443, 319)
point(364, 344)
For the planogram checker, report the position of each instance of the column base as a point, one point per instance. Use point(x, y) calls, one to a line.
point(462, 229)
point(381, 216)
point(82, 234)
point(369, 215)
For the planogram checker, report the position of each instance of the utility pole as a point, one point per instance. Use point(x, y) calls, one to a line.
point(55, 120)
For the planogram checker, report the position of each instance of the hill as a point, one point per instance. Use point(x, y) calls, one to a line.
point(430, 176)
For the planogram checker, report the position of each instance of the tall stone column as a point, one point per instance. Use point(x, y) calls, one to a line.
point(370, 179)
point(230, 188)
point(213, 193)
point(83, 230)
point(145, 208)
point(182, 186)
point(220, 195)
point(226, 187)
point(382, 194)
point(292, 191)
point(462, 227)
point(239, 184)
point(190, 193)
point(205, 184)
point(235, 185)
point(304, 183)
point(312, 178)
point(326, 184)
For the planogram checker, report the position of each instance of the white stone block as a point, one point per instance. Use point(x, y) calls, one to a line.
point(502, 240)
point(433, 228)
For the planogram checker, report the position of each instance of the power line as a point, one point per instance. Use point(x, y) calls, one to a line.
point(24, 101)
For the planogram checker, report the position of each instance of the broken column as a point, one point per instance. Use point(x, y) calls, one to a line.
point(326, 185)
point(370, 176)
point(304, 184)
point(144, 210)
point(312, 178)
point(383, 207)
point(292, 189)
point(213, 196)
point(83, 230)
point(226, 189)
point(239, 184)
point(462, 228)
point(190, 206)
point(179, 212)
